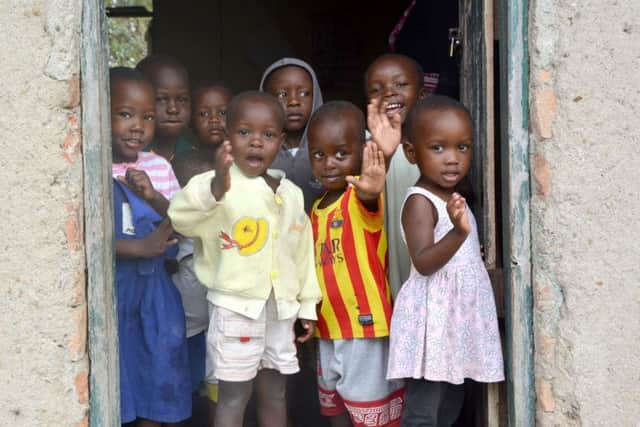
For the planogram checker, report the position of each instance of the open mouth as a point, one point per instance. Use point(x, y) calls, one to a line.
point(393, 108)
point(331, 178)
point(254, 160)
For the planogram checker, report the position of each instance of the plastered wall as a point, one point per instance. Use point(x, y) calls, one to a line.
point(43, 362)
point(585, 103)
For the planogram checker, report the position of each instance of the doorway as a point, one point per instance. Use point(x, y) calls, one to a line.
point(234, 41)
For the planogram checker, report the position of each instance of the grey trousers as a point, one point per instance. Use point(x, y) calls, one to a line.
point(431, 403)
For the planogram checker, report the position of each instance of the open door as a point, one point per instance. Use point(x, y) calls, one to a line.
point(475, 38)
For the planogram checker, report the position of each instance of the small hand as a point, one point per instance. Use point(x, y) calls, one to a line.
point(139, 182)
point(222, 181)
point(309, 327)
point(372, 176)
point(385, 131)
point(457, 210)
point(159, 240)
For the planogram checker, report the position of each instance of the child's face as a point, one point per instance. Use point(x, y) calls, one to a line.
point(335, 151)
point(441, 147)
point(393, 81)
point(294, 89)
point(173, 101)
point(209, 115)
point(132, 119)
point(256, 136)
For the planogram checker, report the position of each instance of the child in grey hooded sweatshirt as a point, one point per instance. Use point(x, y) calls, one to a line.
point(295, 84)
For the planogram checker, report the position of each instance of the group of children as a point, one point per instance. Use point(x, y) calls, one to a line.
point(277, 217)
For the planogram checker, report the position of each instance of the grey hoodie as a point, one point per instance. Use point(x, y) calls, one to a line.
point(297, 167)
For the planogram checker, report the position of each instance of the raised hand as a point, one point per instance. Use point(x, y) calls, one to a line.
point(140, 183)
point(159, 240)
point(386, 132)
point(457, 210)
point(372, 176)
point(222, 181)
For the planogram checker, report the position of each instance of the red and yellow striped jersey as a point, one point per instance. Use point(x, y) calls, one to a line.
point(351, 263)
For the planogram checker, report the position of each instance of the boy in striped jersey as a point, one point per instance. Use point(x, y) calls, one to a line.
point(351, 264)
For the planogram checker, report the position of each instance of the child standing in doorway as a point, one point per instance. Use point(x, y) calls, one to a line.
point(209, 115)
point(255, 254)
point(294, 83)
point(155, 387)
point(170, 80)
point(444, 327)
point(394, 83)
point(350, 243)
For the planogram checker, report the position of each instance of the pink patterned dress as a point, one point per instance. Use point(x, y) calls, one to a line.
point(444, 326)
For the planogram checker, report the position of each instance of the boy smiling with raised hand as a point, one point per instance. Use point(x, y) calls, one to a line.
point(255, 254)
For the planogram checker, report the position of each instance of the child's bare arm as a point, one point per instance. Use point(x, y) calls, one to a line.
point(372, 177)
point(151, 246)
point(385, 132)
point(140, 183)
point(418, 220)
point(222, 181)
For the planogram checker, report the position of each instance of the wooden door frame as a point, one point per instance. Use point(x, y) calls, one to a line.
point(104, 374)
point(103, 332)
point(514, 108)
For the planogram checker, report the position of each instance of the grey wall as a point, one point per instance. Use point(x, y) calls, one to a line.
point(43, 364)
point(585, 100)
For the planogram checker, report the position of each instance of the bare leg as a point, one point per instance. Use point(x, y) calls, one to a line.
point(232, 401)
point(141, 422)
point(272, 404)
point(342, 420)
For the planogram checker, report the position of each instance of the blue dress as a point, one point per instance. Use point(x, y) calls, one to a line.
point(154, 365)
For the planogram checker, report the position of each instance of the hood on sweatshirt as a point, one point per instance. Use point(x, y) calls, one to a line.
point(297, 167)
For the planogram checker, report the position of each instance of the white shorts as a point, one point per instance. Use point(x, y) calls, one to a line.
point(238, 346)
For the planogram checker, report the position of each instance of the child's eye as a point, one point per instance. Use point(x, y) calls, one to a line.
point(204, 114)
point(463, 147)
point(341, 155)
point(149, 117)
point(281, 94)
point(183, 99)
point(401, 84)
point(305, 93)
point(161, 99)
point(222, 112)
point(317, 155)
point(374, 90)
point(437, 148)
point(269, 134)
point(243, 132)
point(124, 114)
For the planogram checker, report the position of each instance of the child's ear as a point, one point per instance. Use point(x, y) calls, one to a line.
point(422, 93)
point(283, 138)
point(409, 152)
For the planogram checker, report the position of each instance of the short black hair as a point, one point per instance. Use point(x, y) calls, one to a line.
point(147, 63)
point(189, 163)
point(117, 74)
point(209, 84)
point(432, 103)
point(242, 98)
point(417, 68)
point(339, 110)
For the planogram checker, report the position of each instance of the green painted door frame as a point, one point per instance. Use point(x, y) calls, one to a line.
point(514, 107)
point(103, 332)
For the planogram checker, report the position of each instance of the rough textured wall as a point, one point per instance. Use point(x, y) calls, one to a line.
point(585, 100)
point(43, 362)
